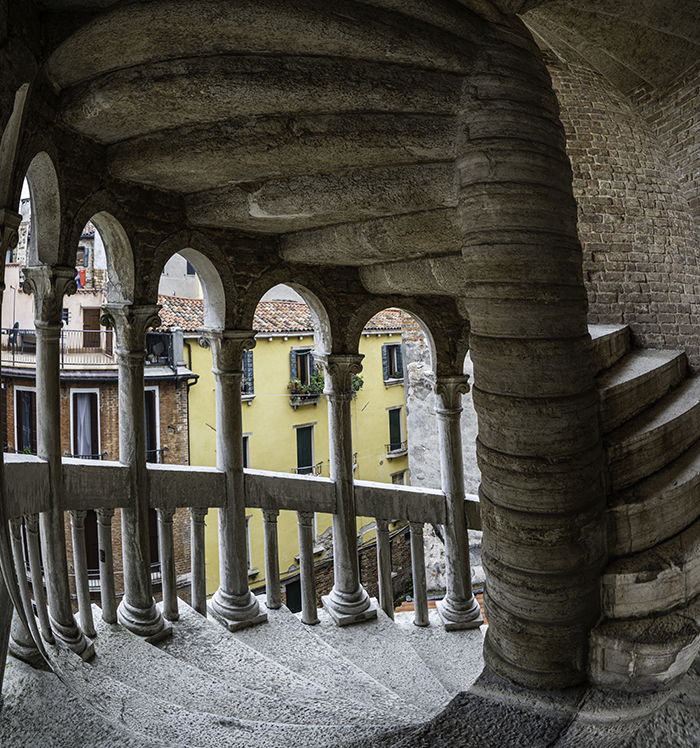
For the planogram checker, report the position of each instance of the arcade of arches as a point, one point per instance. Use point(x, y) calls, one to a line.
point(499, 176)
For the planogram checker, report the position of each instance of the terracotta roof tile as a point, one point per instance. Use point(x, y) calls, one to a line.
point(270, 316)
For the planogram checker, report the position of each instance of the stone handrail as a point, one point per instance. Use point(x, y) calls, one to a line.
point(103, 484)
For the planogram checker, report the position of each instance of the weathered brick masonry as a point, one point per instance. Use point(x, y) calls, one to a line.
point(638, 235)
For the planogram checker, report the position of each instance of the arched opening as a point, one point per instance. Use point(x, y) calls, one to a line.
point(45, 234)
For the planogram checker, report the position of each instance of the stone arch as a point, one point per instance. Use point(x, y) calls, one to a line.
point(445, 329)
point(323, 326)
point(102, 210)
point(212, 288)
point(8, 148)
point(44, 192)
point(209, 262)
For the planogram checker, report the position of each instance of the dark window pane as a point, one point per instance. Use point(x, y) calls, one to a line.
point(305, 450)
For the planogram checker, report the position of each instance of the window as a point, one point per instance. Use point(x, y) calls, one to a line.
point(151, 416)
point(302, 365)
point(395, 435)
point(399, 479)
point(245, 450)
point(248, 382)
point(154, 551)
point(85, 436)
point(25, 420)
point(91, 327)
point(64, 316)
point(305, 455)
point(190, 269)
point(392, 361)
point(91, 543)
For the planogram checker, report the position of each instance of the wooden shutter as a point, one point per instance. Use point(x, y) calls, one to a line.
point(248, 380)
point(399, 362)
point(293, 364)
point(385, 362)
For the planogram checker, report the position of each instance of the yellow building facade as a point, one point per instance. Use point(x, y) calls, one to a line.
point(278, 430)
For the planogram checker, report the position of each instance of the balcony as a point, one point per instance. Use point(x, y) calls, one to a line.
point(308, 470)
point(396, 449)
point(81, 349)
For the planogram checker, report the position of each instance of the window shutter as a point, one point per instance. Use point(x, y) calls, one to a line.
point(385, 361)
point(248, 381)
point(312, 364)
point(292, 364)
point(399, 361)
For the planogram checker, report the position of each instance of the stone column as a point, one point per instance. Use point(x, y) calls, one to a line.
point(233, 604)
point(9, 598)
point(49, 284)
point(348, 602)
point(459, 608)
point(137, 611)
point(539, 447)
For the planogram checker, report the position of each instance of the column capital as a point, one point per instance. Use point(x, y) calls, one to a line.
point(165, 515)
point(270, 515)
point(227, 348)
point(449, 391)
point(131, 322)
point(78, 517)
point(306, 519)
point(9, 230)
point(104, 515)
point(49, 284)
point(197, 514)
point(340, 369)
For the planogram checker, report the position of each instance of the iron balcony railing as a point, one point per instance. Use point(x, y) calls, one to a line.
point(308, 469)
point(397, 448)
point(81, 348)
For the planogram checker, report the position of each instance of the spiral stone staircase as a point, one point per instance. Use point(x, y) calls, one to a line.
point(281, 684)
point(389, 682)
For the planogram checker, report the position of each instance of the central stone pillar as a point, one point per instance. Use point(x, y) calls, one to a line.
point(48, 284)
point(137, 611)
point(348, 602)
point(459, 608)
point(233, 604)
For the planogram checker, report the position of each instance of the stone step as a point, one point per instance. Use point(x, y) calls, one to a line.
point(454, 657)
point(163, 674)
point(288, 641)
point(654, 581)
point(645, 654)
point(654, 438)
point(147, 713)
point(39, 710)
point(639, 379)
point(657, 507)
point(382, 650)
point(206, 645)
point(610, 344)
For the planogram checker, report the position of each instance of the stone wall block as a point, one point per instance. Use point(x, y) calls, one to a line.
point(537, 368)
point(564, 426)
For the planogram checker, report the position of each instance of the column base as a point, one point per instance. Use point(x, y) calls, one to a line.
point(236, 612)
point(461, 615)
point(71, 637)
point(148, 623)
point(29, 654)
point(345, 611)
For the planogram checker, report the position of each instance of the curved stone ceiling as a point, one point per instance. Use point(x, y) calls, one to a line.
point(331, 124)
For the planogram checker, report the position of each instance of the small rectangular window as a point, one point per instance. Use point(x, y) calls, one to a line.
point(245, 451)
point(85, 425)
point(392, 361)
point(25, 420)
point(395, 440)
point(248, 381)
point(151, 416)
point(305, 459)
point(399, 479)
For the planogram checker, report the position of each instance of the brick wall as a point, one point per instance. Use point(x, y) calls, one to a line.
point(173, 434)
point(400, 563)
point(674, 117)
point(638, 235)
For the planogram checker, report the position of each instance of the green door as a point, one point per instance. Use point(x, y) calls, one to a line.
point(304, 450)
